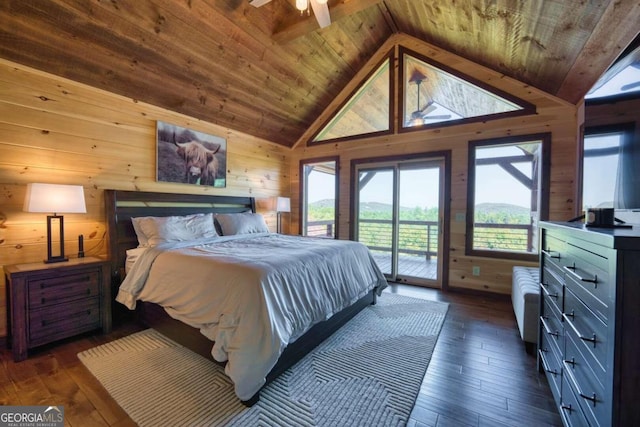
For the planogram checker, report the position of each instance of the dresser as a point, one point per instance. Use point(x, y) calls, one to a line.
point(48, 302)
point(589, 329)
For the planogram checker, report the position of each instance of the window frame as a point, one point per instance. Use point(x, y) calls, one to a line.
point(303, 192)
point(543, 193)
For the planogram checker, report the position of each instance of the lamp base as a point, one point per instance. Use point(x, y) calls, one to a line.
point(55, 259)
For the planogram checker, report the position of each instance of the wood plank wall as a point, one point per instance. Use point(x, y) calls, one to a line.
point(54, 130)
point(561, 119)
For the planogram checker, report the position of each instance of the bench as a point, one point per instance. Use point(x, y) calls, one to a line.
point(525, 294)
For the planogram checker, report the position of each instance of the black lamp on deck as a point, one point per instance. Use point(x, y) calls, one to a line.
point(55, 199)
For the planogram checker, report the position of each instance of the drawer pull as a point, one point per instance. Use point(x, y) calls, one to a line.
point(571, 270)
point(566, 407)
point(547, 293)
point(547, 329)
point(592, 398)
point(593, 340)
point(550, 254)
point(572, 380)
point(546, 368)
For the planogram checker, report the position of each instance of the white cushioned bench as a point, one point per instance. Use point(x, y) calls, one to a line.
point(525, 294)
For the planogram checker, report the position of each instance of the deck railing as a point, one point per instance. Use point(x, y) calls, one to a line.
point(421, 237)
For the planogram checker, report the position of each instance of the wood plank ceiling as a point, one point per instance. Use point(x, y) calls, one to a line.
point(270, 72)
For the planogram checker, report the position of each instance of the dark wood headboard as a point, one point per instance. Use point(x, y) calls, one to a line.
point(121, 206)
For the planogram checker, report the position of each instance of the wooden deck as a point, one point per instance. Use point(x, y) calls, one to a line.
point(408, 265)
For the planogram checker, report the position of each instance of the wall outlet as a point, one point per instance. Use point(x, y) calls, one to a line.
point(476, 270)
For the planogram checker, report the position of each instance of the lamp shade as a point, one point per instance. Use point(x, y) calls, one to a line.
point(283, 204)
point(54, 198)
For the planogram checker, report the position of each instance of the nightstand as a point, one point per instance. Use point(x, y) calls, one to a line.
point(48, 302)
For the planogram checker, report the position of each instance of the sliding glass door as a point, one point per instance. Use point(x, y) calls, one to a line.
point(398, 216)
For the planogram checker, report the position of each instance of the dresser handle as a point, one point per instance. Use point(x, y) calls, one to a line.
point(547, 329)
point(546, 368)
point(566, 407)
point(591, 398)
point(571, 270)
point(550, 254)
point(593, 340)
point(547, 293)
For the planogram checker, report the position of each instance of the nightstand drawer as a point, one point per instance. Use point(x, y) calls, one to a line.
point(46, 291)
point(66, 320)
point(48, 302)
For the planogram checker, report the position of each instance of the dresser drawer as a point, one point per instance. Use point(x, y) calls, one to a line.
point(585, 381)
point(552, 286)
point(551, 326)
point(551, 363)
point(47, 325)
point(570, 410)
point(588, 329)
point(46, 291)
point(588, 277)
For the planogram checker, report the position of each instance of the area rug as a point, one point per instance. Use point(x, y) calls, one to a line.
point(368, 373)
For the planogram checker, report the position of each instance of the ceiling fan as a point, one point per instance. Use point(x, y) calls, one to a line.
point(320, 9)
point(421, 114)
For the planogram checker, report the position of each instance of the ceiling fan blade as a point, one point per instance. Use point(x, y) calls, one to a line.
point(438, 117)
point(258, 3)
point(321, 12)
point(430, 107)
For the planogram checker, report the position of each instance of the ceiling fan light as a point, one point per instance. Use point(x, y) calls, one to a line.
point(301, 5)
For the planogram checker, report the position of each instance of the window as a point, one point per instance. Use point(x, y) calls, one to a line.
point(319, 189)
point(433, 94)
point(507, 196)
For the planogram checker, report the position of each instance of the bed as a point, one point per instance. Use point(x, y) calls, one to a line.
point(256, 302)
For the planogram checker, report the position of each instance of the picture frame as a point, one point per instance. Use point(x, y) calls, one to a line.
point(188, 156)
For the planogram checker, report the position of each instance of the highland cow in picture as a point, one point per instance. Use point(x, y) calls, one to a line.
point(190, 157)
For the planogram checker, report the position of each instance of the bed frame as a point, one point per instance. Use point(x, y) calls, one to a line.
point(121, 206)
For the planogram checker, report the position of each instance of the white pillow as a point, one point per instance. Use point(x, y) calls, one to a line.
point(176, 228)
point(142, 239)
point(241, 223)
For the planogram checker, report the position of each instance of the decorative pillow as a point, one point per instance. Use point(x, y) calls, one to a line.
point(175, 228)
point(241, 223)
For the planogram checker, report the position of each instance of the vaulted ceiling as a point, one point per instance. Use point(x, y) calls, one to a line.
point(269, 72)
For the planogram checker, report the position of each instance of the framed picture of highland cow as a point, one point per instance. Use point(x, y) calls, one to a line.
point(190, 157)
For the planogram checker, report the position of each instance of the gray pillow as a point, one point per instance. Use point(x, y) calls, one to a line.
point(241, 223)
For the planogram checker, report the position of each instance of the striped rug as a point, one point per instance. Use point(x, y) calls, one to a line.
point(368, 373)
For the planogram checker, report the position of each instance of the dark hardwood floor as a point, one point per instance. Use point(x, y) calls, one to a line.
point(479, 375)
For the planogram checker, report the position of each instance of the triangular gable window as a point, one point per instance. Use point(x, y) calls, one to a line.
point(367, 111)
point(433, 94)
point(429, 95)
